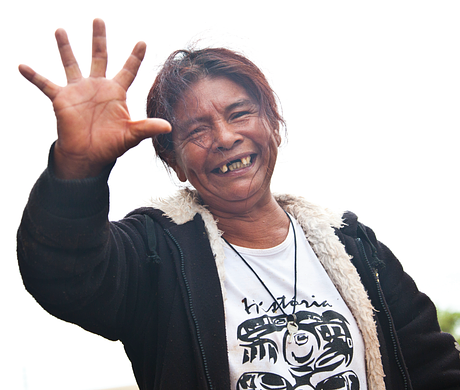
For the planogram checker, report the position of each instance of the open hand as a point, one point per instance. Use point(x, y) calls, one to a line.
point(93, 122)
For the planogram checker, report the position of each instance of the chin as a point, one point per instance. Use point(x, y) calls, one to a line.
point(238, 200)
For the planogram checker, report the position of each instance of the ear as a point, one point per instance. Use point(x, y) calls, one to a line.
point(179, 172)
point(172, 162)
point(276, 134)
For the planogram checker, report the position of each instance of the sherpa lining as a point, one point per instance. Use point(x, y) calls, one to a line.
point(318, 225)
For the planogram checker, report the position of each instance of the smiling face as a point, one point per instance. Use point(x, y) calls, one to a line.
point(222, 145)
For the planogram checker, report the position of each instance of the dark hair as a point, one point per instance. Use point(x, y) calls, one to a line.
point(184, 67)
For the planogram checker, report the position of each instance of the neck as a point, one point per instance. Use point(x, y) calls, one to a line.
point(261, 227)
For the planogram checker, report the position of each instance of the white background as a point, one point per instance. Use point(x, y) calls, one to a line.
point(370, 92)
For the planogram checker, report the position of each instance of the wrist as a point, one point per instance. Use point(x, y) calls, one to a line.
point(70, 198)
point(71, 167)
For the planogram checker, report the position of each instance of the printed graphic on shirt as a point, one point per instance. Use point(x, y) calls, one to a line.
point(321, 344)
point(324, 352)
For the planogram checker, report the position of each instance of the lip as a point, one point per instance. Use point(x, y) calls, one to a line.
point(216, 170)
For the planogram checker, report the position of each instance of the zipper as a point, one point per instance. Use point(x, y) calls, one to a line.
point(385, 309)
point(195, 321)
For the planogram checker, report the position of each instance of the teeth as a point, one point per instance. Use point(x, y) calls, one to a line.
point(244, 162)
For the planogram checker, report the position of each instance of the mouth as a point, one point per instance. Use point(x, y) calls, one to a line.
point(233, 165)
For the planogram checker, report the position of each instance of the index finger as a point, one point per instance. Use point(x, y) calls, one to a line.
point(126, 76)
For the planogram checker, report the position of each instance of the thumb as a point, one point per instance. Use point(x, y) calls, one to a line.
point(146, 128)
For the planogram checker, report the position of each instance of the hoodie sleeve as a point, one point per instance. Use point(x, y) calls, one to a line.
point(431, 357)
point(72, 260)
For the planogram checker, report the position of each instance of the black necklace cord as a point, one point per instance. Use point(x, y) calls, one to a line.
point(290, 317)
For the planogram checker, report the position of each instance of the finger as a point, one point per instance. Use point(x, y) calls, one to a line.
point(127, 75)
point(43, 84)
point(146, 128)
point(99, 59)
point(71, 68)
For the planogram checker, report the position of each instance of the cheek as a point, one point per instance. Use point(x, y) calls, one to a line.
point(273, 148)
point(269, 138)
point(192, 158)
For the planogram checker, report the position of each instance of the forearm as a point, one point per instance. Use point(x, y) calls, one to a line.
point(67, 214)
point(430, 355)
point(64, 245)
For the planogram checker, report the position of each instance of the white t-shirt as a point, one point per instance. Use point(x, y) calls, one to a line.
point(327, 352)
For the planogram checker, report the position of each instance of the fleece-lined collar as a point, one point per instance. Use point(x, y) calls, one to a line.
point(318, 225)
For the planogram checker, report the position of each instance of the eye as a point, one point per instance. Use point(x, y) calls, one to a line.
point(239, 114)
point(200, 136)
point(197, 131)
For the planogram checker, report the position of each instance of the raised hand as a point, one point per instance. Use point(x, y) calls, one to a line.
point(93, 122)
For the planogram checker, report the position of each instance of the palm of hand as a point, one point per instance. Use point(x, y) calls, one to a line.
point(93, 120)
point(94, 126)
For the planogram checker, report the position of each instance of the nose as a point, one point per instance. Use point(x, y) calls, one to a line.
point(225, 137)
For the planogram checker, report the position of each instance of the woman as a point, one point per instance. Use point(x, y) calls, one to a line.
point(225, 286)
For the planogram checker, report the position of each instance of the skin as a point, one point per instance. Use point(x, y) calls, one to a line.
point(218, 122)
point(94, 129)
point(93, 123)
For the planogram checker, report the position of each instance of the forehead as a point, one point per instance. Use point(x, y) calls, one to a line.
point(209, 96)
